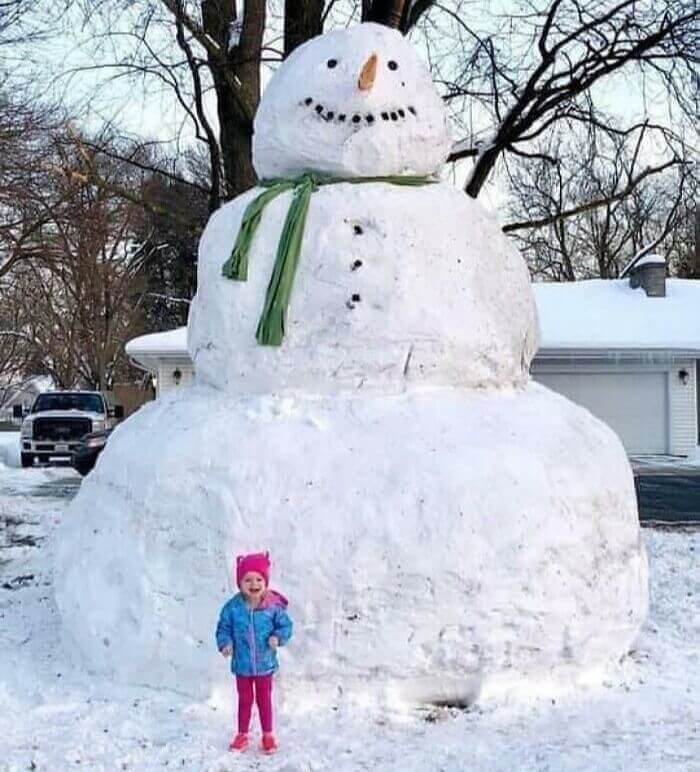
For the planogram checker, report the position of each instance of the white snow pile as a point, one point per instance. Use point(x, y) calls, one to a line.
point(9, 449)
point(383, 301)
point(606, 313)
point(439, 523)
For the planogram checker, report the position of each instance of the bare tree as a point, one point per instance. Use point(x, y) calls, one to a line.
point(217, 48)
point(14, 351)
point(588, 213)
point(14, 26)
point(525, 73)
point(534, 69)
point(25, 197)
point(83, 281)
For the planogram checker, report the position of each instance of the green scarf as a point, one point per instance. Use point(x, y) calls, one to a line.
point(271, 325)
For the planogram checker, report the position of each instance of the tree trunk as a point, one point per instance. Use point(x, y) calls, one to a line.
point(303, 19)
point(696, 267)
point(391, 13)
point(236, 108)
point(484, 164)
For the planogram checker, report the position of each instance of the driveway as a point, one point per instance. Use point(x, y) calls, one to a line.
point(668, 489)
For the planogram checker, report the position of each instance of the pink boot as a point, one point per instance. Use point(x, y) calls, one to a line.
point(239, 742)
point(269, 744)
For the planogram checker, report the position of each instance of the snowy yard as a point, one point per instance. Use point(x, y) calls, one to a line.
point(644, 715)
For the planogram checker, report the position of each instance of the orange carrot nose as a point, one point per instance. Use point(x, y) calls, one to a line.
point(368, 73)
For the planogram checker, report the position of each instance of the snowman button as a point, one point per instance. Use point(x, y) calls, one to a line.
point(358, 230)
point(385, 116)
point(356, 119)
point(394, 116)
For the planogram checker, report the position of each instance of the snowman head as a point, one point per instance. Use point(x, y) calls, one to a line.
point(351, 103)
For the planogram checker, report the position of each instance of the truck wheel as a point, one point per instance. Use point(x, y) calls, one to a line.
point(27, 459)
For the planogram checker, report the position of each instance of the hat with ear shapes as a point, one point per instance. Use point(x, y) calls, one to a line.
point(256, 561)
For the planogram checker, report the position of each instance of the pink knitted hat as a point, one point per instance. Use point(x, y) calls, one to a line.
point(256, 561)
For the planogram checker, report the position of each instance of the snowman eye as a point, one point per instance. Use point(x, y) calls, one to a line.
point(392, 65)
point(331, 63)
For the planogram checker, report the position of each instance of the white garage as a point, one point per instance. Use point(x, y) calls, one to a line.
point(164, 355)
point(632, 360)
point(634, 404)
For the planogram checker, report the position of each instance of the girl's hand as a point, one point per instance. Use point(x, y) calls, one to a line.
point(227, 650)
point(274, 642)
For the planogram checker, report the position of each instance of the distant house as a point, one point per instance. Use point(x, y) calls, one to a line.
point(164, 354)
point(631, 358)
point(629, 351)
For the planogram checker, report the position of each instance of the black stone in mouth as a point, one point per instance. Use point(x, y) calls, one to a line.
point(330, 115)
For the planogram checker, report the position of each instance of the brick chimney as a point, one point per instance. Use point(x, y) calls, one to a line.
point(649, 273)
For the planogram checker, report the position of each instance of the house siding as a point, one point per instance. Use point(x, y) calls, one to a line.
point(683, 406)
point(166, 381)
point(682, 402)
point(697, 399)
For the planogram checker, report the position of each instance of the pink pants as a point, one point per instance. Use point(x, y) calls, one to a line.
point(262, 685)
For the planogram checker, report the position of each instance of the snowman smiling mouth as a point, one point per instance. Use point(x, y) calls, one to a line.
point(365, 82)
point(356, 118)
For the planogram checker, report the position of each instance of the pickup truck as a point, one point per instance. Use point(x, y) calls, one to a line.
point(58, 420)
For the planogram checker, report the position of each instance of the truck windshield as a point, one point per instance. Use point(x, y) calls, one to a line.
point(89, 402)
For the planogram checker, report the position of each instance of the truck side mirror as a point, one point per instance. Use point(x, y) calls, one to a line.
point(118, 411)
point(17, 411)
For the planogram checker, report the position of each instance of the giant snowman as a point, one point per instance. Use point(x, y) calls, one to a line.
point(436, 519)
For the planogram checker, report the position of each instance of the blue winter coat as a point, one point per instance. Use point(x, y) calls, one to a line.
point(249, 630)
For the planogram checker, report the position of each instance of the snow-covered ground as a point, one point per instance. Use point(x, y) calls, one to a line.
point(644, 715)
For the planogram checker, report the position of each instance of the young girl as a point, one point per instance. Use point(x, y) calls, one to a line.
point(251, 627)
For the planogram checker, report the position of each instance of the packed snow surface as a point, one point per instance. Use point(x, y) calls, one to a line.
point(607, 313)
point(455, 546)
point(640, 714)
point(314, 117)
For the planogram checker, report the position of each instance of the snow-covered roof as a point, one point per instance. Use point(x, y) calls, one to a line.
point(650, 260)
point(597, 314)
point(609, 314)
point(172, 343)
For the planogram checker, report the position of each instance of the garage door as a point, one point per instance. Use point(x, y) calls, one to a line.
point(635, 405)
